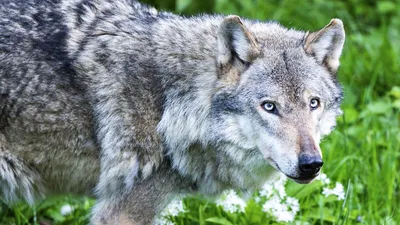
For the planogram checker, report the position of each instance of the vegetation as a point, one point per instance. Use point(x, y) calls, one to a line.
point(363, 153)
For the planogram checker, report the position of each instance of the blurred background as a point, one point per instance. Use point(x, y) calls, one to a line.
point(362, 156)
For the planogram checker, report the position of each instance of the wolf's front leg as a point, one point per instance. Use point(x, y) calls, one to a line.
point(144, 202)
point(136, 208)
point(126, 120)
point(118, 211)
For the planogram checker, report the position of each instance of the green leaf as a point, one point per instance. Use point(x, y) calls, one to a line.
point(396, 104)
point(351, 114)
point(219, 220)
point(302, 191)
point(379, 107)
point(181, 5)
point(395, 92)
point(386, 7)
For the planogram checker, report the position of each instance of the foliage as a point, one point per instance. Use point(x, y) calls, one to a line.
point(362, 153)
point(57, 210)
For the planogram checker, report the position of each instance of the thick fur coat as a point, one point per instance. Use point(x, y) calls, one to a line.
point(134, 106)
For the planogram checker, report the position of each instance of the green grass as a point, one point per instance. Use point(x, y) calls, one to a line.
point(363, 153)
point(47, 212)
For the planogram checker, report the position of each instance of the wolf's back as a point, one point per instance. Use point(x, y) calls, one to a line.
point(42, 105)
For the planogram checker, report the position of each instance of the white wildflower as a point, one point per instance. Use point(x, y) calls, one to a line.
point(285, 216)
point(273, 204)
point(280, 181)
point(66, 210)
point(282, 212)
point(267, 190)
point(277, 204)
point(274, 186)
point(324, 179)
point(162, 221)
point(280, 189)
point(231, 202)
point(326, 191)
point(338, 191)
point(174, 208)
point(293, 204)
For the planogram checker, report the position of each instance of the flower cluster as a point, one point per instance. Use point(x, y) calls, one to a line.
point(338, 191)
point(173, 209)
point(275, 202)
point(231, 202)
point(163, 221)
point(284, 210)
point(324, 179)
point(272, 198)
point(327, 190)
point(66, 210)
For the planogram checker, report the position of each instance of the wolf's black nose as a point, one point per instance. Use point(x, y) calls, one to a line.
point(310, 165)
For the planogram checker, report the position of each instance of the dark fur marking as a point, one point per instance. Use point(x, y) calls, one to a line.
point(3, 107)
point(80, 11)
point(284, 55)
point(226, 103)
point(87, 37)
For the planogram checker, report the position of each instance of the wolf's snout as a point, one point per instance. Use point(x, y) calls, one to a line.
point(310, 165)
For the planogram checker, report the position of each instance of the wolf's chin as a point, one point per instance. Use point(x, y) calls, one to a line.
point(303, 180)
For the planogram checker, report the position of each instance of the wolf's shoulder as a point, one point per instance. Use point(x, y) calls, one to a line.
point(81, 12)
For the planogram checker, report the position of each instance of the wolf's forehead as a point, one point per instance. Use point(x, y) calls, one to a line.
point(283, 67)
point(289, 72)
point(272, 35)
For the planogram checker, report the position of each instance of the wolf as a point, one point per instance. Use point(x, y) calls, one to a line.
point(133, 106)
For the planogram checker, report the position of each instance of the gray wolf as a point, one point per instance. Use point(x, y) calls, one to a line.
point(134, 106)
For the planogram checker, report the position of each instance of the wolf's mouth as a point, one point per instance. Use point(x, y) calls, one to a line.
point(303, 180)
point(273, 164)
point(300, 180)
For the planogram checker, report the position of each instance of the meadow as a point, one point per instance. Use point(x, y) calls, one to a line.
point(360, 184)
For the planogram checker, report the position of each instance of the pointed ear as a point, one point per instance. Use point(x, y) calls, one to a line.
point(236, 45)
point(326, 44)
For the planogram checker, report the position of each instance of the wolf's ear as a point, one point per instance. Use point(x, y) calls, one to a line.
point(326, 44)
point(236, 45)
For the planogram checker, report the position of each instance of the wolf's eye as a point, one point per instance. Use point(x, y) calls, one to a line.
point(269, 107)
point(314, 103)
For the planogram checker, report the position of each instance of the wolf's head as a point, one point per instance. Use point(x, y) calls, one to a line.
point(277, 92)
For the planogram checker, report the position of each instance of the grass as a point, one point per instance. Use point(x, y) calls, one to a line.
point(363, 153)
point(48, 212)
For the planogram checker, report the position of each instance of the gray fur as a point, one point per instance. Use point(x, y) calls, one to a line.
point(135, 106)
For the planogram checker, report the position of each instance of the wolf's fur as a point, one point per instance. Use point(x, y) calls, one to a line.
point(140, 105)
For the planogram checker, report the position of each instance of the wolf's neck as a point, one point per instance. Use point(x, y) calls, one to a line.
point(185, 53)
point(185, 49)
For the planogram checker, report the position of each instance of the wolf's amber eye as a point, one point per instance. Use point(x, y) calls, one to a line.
point(314, 103)
point(269, 107)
